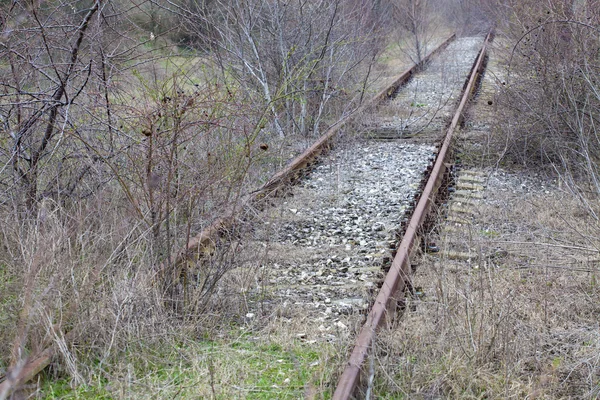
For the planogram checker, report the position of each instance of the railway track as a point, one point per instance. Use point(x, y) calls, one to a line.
point(321, 248)
point(397, 280)
point(316, 254)
point(421, 110)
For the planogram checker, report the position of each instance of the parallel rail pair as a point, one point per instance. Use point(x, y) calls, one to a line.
point(397, 277)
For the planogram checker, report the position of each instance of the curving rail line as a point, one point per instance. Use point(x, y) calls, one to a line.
point(398, 276)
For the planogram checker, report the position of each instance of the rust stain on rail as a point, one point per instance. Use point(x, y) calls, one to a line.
point(397, 277)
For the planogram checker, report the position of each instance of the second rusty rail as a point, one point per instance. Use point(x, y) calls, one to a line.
point(398, 276)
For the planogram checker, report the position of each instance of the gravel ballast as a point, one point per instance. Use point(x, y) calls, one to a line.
point(324, 247)
point(427, 102)
point(318, 254)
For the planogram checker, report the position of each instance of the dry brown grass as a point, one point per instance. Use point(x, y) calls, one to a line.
point(518, 320)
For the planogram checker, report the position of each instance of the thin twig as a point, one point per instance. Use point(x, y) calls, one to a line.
point(564, 246)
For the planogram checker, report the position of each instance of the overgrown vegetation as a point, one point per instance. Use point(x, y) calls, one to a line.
point(549, 101)
point(514, 320)
point(127, 128)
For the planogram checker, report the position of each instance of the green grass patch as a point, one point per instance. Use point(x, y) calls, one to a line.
point(62, 389)
point(242, 368)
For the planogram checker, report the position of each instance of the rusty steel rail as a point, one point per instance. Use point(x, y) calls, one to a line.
point(395, 281)
point(205, 240)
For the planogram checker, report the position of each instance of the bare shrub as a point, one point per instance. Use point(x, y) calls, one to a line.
point(417, 20)
point(109, 165)
point(549, 103)
point(302, 60)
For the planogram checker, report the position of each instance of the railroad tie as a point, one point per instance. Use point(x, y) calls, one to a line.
point(462, 208)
